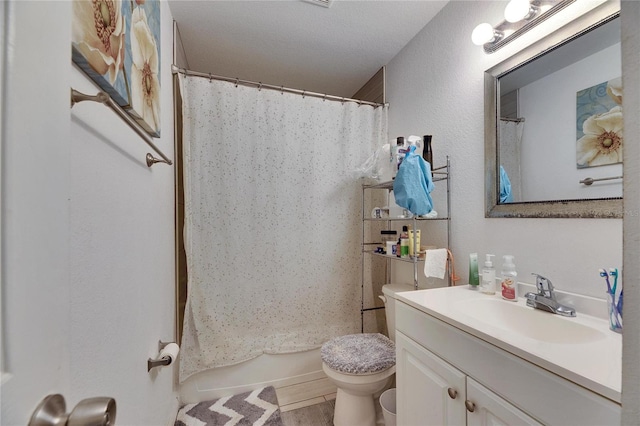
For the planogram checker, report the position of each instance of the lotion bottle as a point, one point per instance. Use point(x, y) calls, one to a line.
point(508, 278)
point(488, 284)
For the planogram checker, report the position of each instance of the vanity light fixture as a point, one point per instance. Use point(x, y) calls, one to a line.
point(485, 33)
point(520, 17)
point(519, 10)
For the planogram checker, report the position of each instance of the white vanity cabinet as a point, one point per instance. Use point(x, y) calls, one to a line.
point(447, 376)
point(432, 392)
point(429, 391)
point(487, 408)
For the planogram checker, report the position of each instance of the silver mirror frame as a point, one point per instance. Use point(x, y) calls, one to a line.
point(597, 208)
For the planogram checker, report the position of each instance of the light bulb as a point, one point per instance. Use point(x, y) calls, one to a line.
point(517, 10)
point(482, 34)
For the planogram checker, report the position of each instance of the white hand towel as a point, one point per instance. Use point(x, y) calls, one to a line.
point(435, 263)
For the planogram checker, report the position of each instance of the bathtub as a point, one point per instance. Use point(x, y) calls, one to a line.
point(265, 370)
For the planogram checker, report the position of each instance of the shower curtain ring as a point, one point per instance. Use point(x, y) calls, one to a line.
point(237, 79)
point(259, 86)
point(303, 93)
point(343, 100)
point(282, 90)
point(210, 77)
point(324, 98)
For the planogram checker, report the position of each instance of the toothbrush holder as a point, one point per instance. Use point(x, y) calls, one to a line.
point(615, 316)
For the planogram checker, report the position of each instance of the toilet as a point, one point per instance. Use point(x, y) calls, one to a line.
point(361, 365)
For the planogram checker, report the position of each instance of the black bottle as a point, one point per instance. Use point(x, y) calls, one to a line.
point(427, 153)
point(400, 151)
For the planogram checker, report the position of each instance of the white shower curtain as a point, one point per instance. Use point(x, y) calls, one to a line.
point(510, 141)
point(272, 220)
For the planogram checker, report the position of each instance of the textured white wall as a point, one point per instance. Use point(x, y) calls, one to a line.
point(89, 279)
point(435, 86)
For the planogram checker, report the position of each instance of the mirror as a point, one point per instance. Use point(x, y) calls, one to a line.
point(553, 124)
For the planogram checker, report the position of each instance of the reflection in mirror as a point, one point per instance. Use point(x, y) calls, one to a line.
point(561, 122)
point(553, 131)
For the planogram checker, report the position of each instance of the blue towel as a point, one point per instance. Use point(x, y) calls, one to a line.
point(413, 184)
point(505, 187)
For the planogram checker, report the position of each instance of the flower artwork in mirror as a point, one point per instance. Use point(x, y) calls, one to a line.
point(116, 43)
point(553, 124)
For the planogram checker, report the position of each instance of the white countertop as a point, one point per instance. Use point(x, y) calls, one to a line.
point(595, 365)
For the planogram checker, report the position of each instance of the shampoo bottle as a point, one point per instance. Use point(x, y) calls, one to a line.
point(488, 284)
point(414, 241)
point(508, 278)
point(404, 242)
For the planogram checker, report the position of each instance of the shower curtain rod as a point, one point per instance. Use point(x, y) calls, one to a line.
point(516, 120)
point(175, 70)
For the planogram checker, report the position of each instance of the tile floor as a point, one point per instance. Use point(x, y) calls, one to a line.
point(305, 394)
point(311, 404)
point(312, 415)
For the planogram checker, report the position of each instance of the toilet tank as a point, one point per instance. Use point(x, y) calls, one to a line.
point(389, 297)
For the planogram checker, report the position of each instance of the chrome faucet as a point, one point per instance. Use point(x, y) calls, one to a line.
point(545, 298)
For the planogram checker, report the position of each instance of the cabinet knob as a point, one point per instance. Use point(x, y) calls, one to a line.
point(453, 394)
point(471, 407)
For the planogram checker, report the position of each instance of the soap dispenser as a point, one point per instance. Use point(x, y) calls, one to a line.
point(488, 284)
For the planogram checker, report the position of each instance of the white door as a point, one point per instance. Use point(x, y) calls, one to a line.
point(35, 216)
point(429, 390)
point(490, 409)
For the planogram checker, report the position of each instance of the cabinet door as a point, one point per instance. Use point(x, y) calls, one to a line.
point(490, 409)
point(429, 390)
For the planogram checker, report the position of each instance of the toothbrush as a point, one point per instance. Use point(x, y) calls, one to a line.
point(619, 305)
point(614, 273)
point(603, 273)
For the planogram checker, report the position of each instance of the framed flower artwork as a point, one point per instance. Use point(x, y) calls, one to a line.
point(599, 124)
point(116, 43)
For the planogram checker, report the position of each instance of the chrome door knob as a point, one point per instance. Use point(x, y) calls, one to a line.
point(98, 411)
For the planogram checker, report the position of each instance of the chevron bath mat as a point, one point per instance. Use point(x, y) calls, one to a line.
point(256, 408)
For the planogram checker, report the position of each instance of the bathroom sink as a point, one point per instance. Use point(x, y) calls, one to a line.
point(529, 322)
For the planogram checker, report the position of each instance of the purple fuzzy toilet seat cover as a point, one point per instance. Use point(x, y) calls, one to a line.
point(359, 353)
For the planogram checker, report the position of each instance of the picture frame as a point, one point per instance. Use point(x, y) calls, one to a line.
point(116, 43)
point(599, 124)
